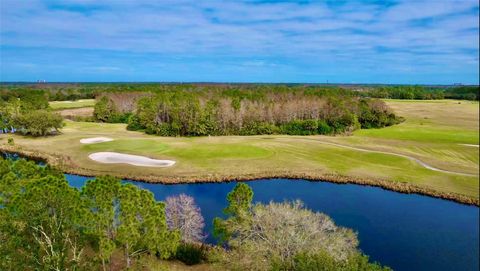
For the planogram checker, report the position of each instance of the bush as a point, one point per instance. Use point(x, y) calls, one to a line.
point(259, 128)
point(322, 261)
point(134, 123)
point(39, 122)
point(10, 141)
point(106, 111)
point(190, 254)
point(300, 127)
point(324, 128)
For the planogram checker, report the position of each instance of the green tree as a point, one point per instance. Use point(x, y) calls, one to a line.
point(239, 205)
point(143, 225)
point(44, 218)
point(38, 123)
point(127, 217)
point(33, 100)
point(105, 110)
point(239, 200)
point(101, 196)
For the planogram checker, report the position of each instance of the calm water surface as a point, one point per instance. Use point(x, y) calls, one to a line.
point(405, 232)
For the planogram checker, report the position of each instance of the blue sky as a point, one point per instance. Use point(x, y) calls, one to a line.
point(410, 42)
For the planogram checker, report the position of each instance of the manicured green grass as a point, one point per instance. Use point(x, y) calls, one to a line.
point(128, 146)
point(432, 132)
point(58, 105)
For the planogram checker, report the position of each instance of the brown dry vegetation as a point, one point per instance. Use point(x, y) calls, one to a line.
point(76, 112)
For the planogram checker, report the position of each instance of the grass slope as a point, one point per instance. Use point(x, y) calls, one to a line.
point(433, 132)
point(58, 105)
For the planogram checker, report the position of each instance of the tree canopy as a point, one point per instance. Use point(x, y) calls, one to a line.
point(45, 224)
point(284, 236)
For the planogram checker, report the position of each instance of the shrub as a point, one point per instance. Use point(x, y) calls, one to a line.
point(190, 254)
point(104, 110)
point(134, 123)
point(294, 127)
point(10, 141)
point(322, 261)
point(310, 126)
point(324, 128)
point(39, 122)
point(259, 128)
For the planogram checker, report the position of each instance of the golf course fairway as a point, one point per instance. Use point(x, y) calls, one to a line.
point(432, 152)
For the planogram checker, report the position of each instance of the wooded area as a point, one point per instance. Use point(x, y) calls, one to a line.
point(45, 224)
point(243, 112)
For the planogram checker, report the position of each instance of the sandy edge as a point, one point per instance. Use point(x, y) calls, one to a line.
point(66, 165)
point(470, 145)
point(93, 140)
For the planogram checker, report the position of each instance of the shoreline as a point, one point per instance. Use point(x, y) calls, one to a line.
point(64, 164)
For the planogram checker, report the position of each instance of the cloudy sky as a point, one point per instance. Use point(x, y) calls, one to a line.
point(405, 41)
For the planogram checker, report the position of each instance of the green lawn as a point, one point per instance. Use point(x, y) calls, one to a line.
point(59, 105)
point(432, 132)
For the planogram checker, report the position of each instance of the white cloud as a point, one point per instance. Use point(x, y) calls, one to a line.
point(313, 32)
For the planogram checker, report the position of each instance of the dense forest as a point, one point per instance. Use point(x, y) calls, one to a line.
point(242, 112)
point(45, 224)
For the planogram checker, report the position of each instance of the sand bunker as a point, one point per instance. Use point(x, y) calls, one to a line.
point(470, 145)
point(136, 160)
point(93, 140)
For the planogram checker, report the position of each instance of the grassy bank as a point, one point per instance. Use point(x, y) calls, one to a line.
point(58, 105)
point(433, 133)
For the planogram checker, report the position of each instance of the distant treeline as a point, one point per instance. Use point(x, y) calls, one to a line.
point(243, 112)
point(423, 93)
point(74, 91)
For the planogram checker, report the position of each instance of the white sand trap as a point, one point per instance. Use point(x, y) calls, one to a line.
point(136, 160)
point(470, 145)
point(93, 140)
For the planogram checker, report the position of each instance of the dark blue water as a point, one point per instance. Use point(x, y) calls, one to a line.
point(405, 232)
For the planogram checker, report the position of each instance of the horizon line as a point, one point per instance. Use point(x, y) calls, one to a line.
point(232, 83)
